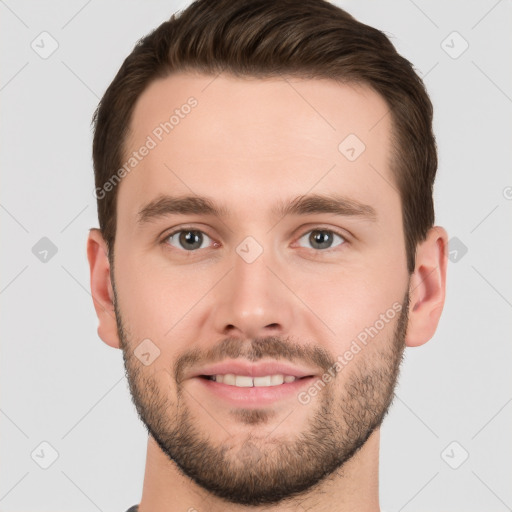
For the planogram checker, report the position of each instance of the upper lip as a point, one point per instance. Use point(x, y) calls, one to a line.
point(260, 369)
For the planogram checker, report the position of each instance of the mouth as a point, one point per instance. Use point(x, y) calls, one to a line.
point(244, 391)
point(246, 381)
point(241, 383)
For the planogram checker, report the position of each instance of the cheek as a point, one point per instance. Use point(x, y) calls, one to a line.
point(158, 300)
point(144, 300)
point(350, 302)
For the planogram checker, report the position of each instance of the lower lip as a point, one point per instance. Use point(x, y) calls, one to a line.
point(254, 396)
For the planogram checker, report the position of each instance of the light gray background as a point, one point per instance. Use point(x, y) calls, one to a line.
point(62, 385)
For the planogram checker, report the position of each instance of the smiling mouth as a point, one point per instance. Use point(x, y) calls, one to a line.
point(245, 381)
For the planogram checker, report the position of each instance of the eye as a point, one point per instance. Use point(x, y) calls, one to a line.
point(322, 238)
point(186, 238)
point(190, 239)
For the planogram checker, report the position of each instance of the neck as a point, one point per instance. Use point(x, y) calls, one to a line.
point(354, 487)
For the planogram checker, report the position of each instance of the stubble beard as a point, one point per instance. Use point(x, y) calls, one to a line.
point(259, 470)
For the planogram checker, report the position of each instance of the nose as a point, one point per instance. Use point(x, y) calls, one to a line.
point(253, 301)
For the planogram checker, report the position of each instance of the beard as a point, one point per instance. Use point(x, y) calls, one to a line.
point(267, 470)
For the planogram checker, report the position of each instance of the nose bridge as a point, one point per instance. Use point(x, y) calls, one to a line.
point(252, 300)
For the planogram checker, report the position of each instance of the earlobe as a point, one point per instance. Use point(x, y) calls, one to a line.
point(427, 287)
point(101, 288)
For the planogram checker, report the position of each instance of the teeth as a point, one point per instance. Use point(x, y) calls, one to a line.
point(244, 381)
point(275, 380)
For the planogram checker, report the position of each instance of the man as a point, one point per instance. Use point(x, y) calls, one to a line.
point(266, 250)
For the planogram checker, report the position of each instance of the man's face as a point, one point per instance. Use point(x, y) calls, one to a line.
point(312, 290)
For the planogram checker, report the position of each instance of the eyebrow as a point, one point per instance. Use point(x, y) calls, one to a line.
point(165, 205)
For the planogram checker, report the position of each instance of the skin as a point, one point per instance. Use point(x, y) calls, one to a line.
point(251, 144)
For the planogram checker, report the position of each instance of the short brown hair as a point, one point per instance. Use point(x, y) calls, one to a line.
point(273, 38)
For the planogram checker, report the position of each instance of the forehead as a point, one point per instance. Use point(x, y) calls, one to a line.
point(250, 139)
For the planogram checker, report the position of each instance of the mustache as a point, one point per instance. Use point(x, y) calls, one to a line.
point(253, 350)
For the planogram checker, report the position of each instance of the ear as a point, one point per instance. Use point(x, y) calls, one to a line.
point(427, 287)
point(101, 288)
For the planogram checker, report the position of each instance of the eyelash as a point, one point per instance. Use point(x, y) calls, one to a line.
point(316, 228)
